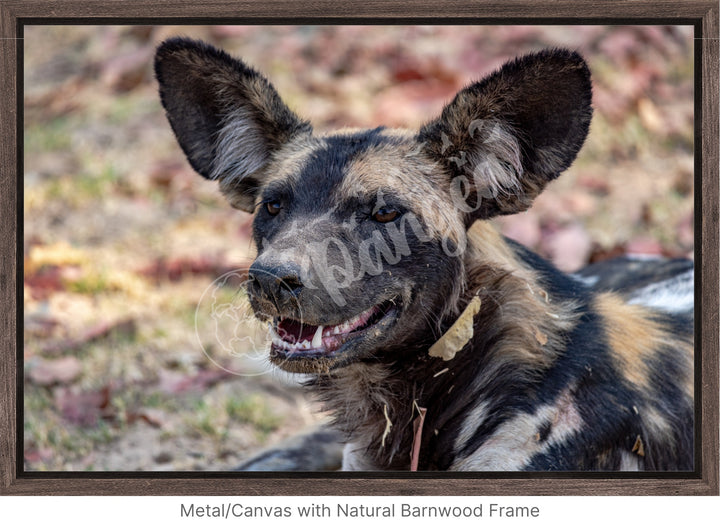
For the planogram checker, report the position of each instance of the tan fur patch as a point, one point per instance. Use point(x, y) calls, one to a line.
point(487, 246)
point(398, 167)
point(532, 326)
point(633, 337)
point(285, 163)
point(290, 159)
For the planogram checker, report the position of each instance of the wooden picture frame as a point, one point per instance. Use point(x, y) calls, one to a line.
point(702, 14)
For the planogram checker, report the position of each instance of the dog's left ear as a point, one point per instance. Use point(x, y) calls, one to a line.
point(502, 139)
point(227, 118)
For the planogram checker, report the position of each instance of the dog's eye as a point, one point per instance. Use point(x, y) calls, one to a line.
point(273, 207)
point(385, 214)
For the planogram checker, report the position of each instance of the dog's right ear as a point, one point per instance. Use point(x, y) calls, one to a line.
point(227, 118)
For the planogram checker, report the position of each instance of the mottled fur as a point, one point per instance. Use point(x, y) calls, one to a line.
point(383, 234)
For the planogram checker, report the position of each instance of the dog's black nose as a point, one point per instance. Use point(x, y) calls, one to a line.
point(278, 283)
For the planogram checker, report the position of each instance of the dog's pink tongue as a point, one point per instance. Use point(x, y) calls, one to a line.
point(293, 331)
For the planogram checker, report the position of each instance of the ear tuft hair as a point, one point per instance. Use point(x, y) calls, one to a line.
point(511, 133)
point(227, 118)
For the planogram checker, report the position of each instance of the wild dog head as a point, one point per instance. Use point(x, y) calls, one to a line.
point(361, 234)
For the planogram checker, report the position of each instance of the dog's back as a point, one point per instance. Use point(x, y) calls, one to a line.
point(618, 393)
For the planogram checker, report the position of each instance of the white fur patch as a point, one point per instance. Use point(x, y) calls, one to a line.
point(589, 280)
point(473, 420)
point(629, 462)
point(354, 459)
point(498, 170)
point(675, 295)
point(517, 441)
point(510, 448)
point(240, 148)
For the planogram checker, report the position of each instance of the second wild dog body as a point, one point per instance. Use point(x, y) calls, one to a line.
point(372, 243)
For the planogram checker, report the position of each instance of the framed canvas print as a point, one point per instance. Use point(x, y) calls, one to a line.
point(288, 250)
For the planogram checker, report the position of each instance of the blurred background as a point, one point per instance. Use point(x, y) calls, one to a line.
point(135, 357)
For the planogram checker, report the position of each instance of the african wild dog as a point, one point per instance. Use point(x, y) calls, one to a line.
point(373, 245)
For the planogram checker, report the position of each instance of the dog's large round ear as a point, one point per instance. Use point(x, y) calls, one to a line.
point(502, 139)
point(227, 118)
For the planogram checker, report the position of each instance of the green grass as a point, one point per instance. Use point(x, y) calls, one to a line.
point(53, 135)
point(253, 410)
point(89, 284)
point(78, 190)
point(214, 419)
point(97, 185)
point(205, 421)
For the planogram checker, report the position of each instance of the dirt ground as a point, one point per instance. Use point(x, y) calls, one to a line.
point(135, 358)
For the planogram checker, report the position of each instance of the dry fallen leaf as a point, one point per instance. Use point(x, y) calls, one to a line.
point(43, 282)
point(124, 72)
point(38, 455)
point(126, 327)
point(173, 382)
point(175, 269)
point(458, 335)
point(61, 371)
point(57, 254)
point(155, 417)
point(541, 337)
point(639, 448)
point(650, 115)
point(84, 407)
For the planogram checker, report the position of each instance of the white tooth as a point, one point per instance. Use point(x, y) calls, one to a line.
point(305, 344)
point(273, 333)
point(336, 329)
point(317, 338)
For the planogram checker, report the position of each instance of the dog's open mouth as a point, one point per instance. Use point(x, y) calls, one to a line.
point(292, 338)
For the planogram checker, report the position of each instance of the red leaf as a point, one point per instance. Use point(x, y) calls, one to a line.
point(38, 455)
point(125, 72)
point(84, 407)
point(595, 184)
point(44, 282)
point(97, 332)
point(47, 372)
point(152, 416)
point(172, 382)
point(175, 269)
